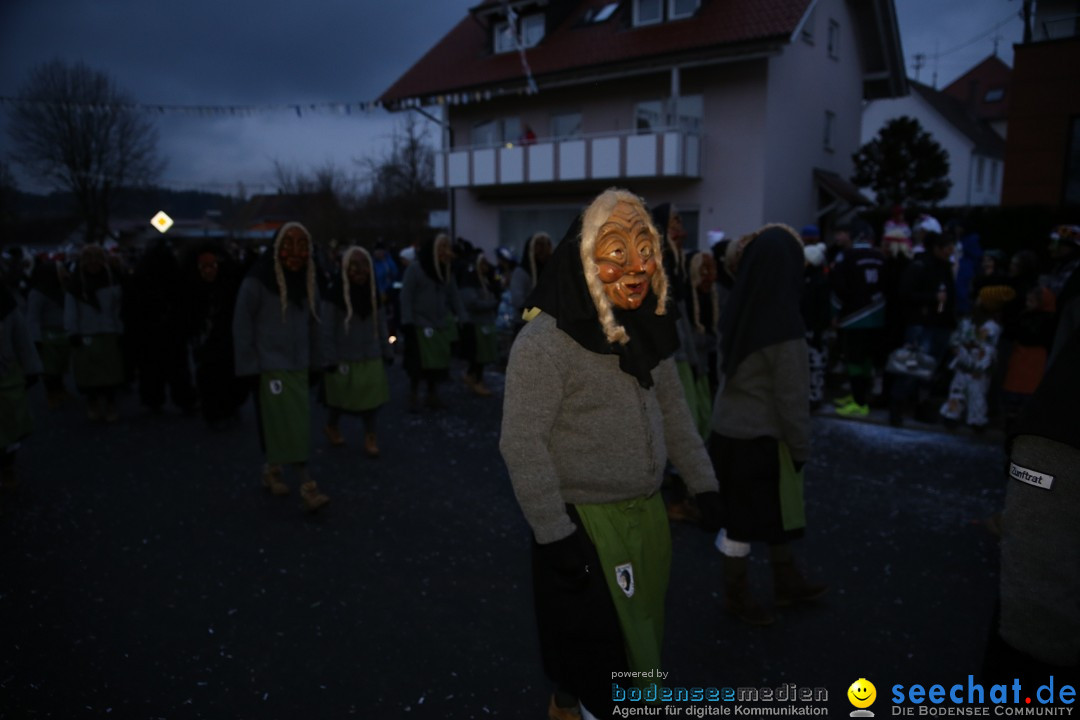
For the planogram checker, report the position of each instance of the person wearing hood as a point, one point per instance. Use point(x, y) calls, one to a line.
point(479, 294)
point(761, 420)
point(430, 311)
point(593, 409)
point(525, 276)
point(93, 324)
point(211, 282)
point(19, 369)
point(45, 320)
point(356, 344)
point(970, 255)
point(276, 345)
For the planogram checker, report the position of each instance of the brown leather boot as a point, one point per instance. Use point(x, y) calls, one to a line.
point(272, 480)
point(309, 493)
point(334, 435)
point(789, 585)
point(371, 445)
point(738, 600)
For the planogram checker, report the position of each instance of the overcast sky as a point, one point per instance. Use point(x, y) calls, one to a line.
point(271, 53)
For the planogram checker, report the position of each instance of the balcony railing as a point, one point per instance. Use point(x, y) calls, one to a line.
point(612, 156)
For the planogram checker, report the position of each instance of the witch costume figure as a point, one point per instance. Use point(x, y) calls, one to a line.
point(45, 320)
point(592, 410)
point(276, 345)
point(356, 344)
point(93, 324)
point(761, 419)
point(430, 310)
point(19, 368)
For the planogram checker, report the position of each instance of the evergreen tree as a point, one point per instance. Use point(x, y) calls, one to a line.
point(903, 165)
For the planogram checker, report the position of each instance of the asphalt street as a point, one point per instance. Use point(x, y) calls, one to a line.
point(144, 573)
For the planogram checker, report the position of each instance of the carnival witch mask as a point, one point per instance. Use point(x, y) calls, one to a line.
point(358, 271)
point(294, 250)
point(625, 255)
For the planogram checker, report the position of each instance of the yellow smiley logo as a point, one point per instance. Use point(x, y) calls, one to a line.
point(862, 693)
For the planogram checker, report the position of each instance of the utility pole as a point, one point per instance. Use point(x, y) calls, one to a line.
point(920, 58)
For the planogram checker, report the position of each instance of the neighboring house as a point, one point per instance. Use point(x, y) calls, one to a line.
point(1043, 149)
point(740, 112)
point(976, 152)
point(984, 91)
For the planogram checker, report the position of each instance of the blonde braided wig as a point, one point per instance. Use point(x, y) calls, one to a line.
point(695, 279)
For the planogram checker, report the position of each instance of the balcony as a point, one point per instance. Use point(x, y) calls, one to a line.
point(611, 156)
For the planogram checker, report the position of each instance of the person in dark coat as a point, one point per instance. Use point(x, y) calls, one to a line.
point(211, 282)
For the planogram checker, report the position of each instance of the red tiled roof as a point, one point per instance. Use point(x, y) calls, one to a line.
point(463, 59)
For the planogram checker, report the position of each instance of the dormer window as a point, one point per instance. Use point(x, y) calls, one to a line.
point(532, 32)
point(651, 12)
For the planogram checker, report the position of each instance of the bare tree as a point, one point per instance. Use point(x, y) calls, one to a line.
point(73, 129)
point(325, 197)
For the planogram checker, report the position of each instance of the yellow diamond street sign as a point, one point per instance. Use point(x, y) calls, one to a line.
point(162, 221)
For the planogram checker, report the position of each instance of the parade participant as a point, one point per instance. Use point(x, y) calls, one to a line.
point(19, 368)
point(430, 310)
point(702, 313)
point(761, 419)
point(356, 344)
point(92, 321)
point(526, 274)
point(593, 409)
point(211, 282)
point(45, 320)
point(479, 296)
point(974, 347)
point(276, 346)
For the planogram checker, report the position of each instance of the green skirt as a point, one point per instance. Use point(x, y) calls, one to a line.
point(284, 411)
point(434, 346)
point(357, 386)
point(15, 420)
point(55, 352)
point(698, 398)
point(98, 362)
point(633, 541)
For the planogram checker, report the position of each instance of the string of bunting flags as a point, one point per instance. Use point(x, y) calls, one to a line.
point(300, 109)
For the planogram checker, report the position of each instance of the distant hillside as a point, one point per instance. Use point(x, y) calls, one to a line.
point(129, 203)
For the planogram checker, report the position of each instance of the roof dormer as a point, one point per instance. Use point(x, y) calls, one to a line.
point(654, 12)
point(514, 24)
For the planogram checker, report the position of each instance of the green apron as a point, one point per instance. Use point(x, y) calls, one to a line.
point(358, 385)
point(285, 413)
point(487, 344)
point(435, 346)
point(55, 352)
point(698, 398)
point(97, 362)
point(15, 420)
point(792, 508)
point(633, 541)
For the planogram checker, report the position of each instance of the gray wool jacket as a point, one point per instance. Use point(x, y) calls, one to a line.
point(768, 396)
point(481, 305)
point(83, 319)
point(577, 429)
point(364, 339)
point(16, 346)
point(426, 303)
point(263, 341)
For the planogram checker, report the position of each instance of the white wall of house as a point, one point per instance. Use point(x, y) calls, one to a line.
point(804, 83)
point(969, 186)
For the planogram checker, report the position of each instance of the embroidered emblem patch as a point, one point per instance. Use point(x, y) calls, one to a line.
point(343, 369)
point(276, 387)
point(1031, 477)
point(624, 575)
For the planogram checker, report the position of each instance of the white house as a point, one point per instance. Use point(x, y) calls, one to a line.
point(976, 151)
point(740, 112)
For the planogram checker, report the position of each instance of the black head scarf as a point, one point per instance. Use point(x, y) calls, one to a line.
point(426, 257)
point(763, 308)
point(563, 294)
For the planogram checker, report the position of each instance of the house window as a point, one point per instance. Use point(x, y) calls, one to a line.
point(678, 9)
point(566, 125)
point(830, 122)
point(807, 33)
point(496, 132)
point(993, 175)
point(532, 32)
point(994, 95)
point(649, 116)
point(689, 113)
point(980, 171)
point(648, 12)
point(834, 39)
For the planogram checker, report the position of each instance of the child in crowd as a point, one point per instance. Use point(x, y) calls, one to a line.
point(974, 347)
